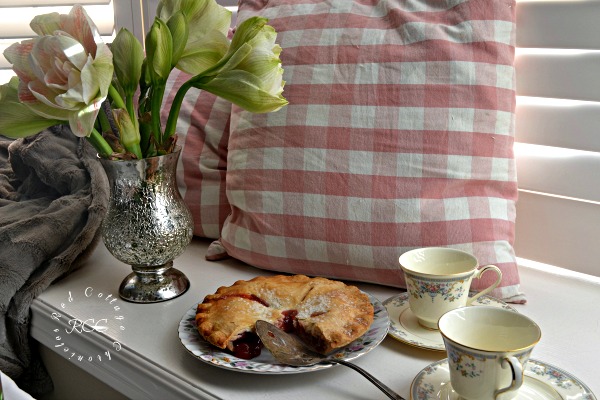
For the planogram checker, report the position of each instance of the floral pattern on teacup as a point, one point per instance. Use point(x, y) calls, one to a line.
point(449, 290)
point(464, 363)
point(469, 364)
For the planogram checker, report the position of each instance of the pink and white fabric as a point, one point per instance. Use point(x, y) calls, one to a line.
point(202, 132)
point(399, 134)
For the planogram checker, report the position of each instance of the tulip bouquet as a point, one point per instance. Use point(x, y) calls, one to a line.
point(113, 94)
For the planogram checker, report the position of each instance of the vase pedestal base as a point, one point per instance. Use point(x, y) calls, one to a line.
point(153, 285)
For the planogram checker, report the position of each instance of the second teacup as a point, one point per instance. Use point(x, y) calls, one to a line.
point(487, 350)
point(438, 280)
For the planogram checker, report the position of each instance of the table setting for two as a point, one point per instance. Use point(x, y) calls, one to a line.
point(485, 345)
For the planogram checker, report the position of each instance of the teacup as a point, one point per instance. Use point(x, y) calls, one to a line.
point(438, 279)
point(487, 349)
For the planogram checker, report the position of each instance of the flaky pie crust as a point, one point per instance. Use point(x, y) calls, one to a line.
point(330, 314)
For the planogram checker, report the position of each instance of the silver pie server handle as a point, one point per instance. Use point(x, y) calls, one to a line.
point(288, 349)
point(383, 387)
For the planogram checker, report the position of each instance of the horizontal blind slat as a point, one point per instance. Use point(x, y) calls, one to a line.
point(14, 22)
point(559, 24)
point(151, 4)
point(565, 75)
point(37, 3)
point(558, 231)
point(558, 171)
point(550, 229)
point(570, 124)
point(228, 3)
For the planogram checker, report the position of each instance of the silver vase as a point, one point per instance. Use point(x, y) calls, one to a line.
point(147, 225)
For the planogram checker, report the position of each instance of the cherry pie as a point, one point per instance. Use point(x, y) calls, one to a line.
point(326, 314)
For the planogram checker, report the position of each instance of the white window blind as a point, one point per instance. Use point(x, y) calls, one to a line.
point(558, 133)
point(108, 15)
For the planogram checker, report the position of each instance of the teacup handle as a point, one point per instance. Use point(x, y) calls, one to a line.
point(479, 273)
point(517, 375)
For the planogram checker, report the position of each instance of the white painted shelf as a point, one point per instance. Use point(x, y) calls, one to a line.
point(152, 363)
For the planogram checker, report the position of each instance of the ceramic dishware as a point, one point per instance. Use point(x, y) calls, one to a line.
point(265, 363)
point(487, 350)
point(438, 279)
point(405, 327)
point(542, 381)
point(288, 349)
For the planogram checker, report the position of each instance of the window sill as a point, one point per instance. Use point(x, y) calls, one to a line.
point(152, 363)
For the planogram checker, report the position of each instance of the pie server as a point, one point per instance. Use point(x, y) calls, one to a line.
point(289, 350)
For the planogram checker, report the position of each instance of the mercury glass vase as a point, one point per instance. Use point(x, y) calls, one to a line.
point(147, 226)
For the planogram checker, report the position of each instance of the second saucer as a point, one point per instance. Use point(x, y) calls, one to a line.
point(405, 328)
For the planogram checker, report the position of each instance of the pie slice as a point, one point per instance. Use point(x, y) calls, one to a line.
point(326, 314)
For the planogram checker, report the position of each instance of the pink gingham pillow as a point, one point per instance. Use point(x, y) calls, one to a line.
point(202, 132)
point(399, 134)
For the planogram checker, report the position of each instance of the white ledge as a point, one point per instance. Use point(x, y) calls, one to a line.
point(124, 370)
point(153, 364)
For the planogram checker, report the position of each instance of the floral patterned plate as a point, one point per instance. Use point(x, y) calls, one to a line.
point(542, 382)
point(405, 328)
point(265, 363)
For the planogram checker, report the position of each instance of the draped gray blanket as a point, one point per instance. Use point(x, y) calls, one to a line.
point(53, 195)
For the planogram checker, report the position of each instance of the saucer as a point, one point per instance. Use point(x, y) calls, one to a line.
point(405, 328)
point(542, 382)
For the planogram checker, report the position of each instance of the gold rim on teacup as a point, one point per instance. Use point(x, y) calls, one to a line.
point(412, 255)
point(488, 309)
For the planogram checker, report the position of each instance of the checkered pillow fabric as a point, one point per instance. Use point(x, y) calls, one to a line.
point(399, 134)
point(202, 132)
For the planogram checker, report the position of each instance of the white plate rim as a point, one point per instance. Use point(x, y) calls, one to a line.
point(265, 364)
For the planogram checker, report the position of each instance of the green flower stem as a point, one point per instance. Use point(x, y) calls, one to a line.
point(102, 147)
point(135, 149)
point(132, 113)
point(104, 123)
point(131, 108)
point(131, 144)
point(116, 98)
point(145, 133)
point(155, 105)
point(171, 124)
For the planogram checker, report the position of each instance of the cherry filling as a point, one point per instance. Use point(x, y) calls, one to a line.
point(248, 346)
point(287, 324)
